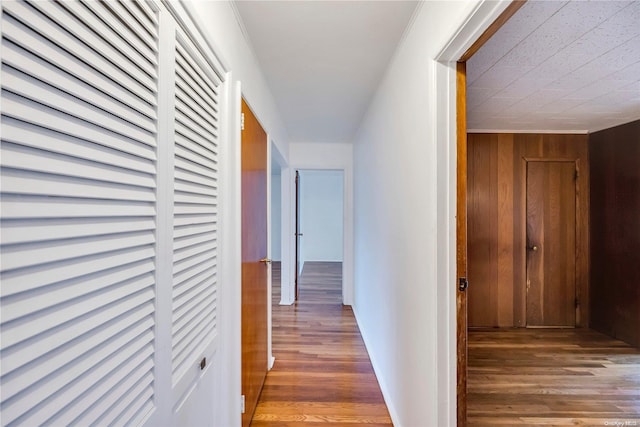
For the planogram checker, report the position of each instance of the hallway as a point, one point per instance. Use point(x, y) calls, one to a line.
point(322, 373)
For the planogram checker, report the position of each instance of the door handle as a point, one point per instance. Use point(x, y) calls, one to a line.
point(299, 234)
point(533, 248)
point(266, 260)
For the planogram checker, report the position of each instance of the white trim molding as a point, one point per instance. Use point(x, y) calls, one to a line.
point(481, 15)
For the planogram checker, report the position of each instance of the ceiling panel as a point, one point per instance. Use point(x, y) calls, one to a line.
point(558, 66)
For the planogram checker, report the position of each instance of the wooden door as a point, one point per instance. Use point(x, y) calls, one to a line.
point(551, 243)
point(298, 235)
point(254, 265)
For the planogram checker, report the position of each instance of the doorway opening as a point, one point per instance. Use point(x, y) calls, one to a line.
point(319, 234)
point(526, 198)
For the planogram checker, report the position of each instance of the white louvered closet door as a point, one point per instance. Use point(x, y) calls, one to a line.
point(78, 207)
point(86, 219)
point(195, 215)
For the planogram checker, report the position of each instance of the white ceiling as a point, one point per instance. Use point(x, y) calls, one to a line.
point(558, 66)
point(323, 60)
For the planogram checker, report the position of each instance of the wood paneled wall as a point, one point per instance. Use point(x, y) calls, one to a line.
point(497, 222)
point(615, 232)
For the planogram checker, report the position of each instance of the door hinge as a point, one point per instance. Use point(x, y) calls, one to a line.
point(577, 174)
point(242, 121)
point(463, 284)
point(242, 404)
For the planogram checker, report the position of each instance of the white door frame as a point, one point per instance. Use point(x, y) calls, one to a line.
point(443, 84)
point(273, 154)
point(301, 261)
point(288, 228)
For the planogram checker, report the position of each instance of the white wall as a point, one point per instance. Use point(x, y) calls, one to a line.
point(221, 28)
point(276, 238)
point(402, 180)
point(321, 214)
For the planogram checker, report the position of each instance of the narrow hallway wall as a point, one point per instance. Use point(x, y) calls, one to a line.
point(396, 176)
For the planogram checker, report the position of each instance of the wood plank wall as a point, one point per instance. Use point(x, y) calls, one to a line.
point(497, 222)
point(615, 232)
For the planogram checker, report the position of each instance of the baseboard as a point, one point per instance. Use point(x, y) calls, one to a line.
point(383, 386)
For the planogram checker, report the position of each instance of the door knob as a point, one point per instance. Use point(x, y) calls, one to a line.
point(533, 248)
point(266, 260)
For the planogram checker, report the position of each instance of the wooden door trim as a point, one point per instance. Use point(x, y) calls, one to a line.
point(582, 246)
point(549, 159)
point(461, 240)
point(493, 28)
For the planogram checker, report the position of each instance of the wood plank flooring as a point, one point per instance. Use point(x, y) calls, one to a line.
point(322, 373)
point(557, 377)
point(517, 377)
point(276, 272)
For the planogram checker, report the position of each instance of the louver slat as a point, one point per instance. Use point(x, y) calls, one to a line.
point(78, 194)
point(25, 231)
point(22, 207)
point(195, 214)
point(186, 220)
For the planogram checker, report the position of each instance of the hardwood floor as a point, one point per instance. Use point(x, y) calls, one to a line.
point(551, 377)
point(517, 377)
point(322, 373)
point(276, 271)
